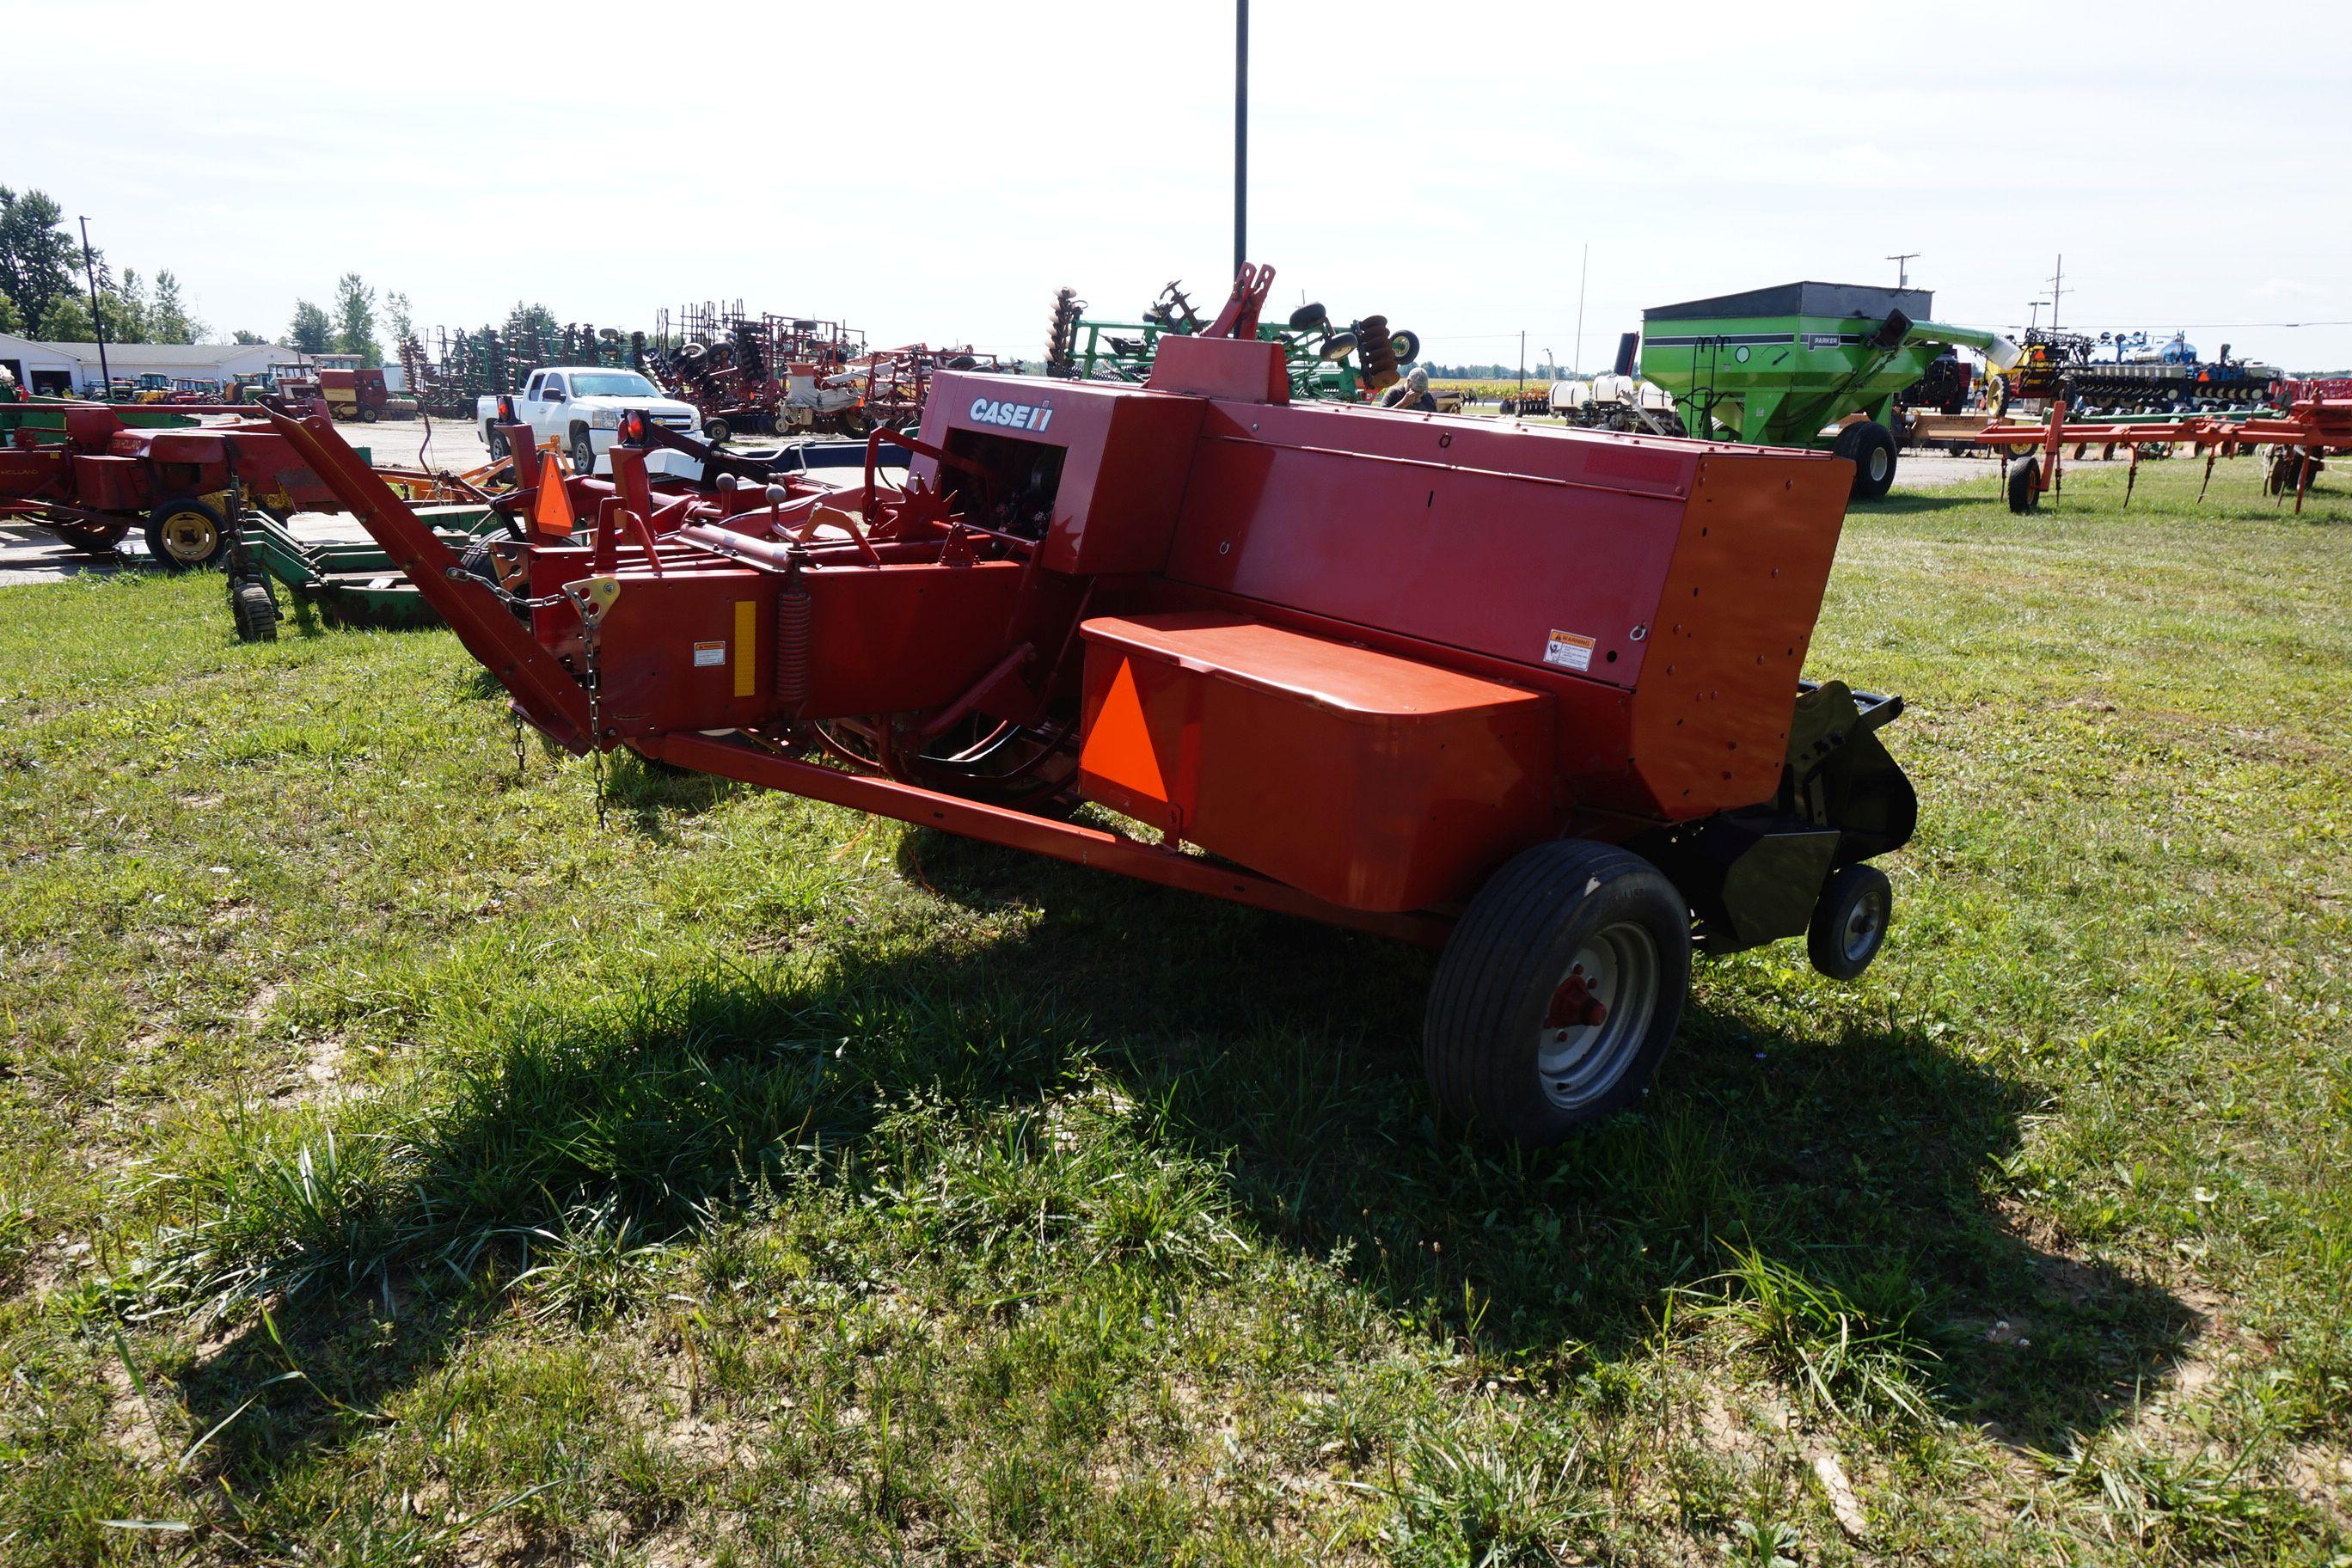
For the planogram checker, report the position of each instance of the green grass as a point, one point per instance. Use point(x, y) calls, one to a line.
point(396, 1168)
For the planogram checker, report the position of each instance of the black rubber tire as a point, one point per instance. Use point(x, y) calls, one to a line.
point(1407, 345)
point(368, 415)
point(717, 431)
point(1871, 450)
point(496, 444)
point(176, 555)
point(90, 541)
point(2018, 484)
point(254, 610)
point(583, 453)
point(1510, 953)
point(1836, 946)
point(476, 562)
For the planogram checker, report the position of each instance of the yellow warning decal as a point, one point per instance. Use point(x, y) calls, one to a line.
point(747, 671)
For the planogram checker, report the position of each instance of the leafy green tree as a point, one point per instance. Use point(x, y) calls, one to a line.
point(396, 317)
point(125, 307)
point(66, 320)
point(356, 313)
point(168, 321)
point(10, 320)
point(37, 256)
point(246, 338)
point(310, 329)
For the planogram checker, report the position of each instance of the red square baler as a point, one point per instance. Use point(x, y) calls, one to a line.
point(1530, 694)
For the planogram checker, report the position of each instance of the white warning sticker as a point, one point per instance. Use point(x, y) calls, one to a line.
point(709, 653)
point(1569, 651)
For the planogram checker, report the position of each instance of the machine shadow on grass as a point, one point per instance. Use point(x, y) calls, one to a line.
point(1906, 503)
point(1854, 1164)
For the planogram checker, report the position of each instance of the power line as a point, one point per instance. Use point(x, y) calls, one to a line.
point(2194, 326)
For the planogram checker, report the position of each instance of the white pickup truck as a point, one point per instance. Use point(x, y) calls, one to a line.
point(581, 405)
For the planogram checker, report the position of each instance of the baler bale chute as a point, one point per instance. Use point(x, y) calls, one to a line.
point(1530, 696)
point(1804, 364)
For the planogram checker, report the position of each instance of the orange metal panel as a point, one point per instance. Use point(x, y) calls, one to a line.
point(1367, 780)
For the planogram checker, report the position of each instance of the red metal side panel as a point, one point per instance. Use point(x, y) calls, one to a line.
point(895, 638)
point(111, 484)
point(1125, 455)
point(689, 650)
point(1367, 779)
point(1482, 559)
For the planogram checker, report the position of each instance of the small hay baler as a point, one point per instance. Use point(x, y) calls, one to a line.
point(99, 477)
point(1530, 696)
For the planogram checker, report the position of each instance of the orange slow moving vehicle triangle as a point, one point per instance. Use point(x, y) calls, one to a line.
point(1118, 744)
point(551, 509)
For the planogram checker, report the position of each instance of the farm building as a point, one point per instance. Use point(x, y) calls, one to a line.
point(74, 367)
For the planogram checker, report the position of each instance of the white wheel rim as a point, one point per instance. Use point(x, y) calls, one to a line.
point(1577, 1063)
point(1865, 923)
point(1879, 460)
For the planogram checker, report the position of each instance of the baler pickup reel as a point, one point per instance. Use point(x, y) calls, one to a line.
point(1531, 696)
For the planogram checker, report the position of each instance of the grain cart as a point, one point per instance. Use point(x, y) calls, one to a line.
point(1804, 364)
point(1530, 696)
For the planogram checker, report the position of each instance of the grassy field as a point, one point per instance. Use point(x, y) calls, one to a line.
point(396, 1168)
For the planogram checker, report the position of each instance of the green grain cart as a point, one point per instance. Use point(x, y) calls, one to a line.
point(1803, 365)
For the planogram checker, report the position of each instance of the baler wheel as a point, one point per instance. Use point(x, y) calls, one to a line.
point(187, 534)
point(2020, 483)
point(1559, 991)
point(90, 541)
point(1849, 923)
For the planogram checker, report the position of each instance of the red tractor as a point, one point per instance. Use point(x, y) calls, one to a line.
point(1531, 696)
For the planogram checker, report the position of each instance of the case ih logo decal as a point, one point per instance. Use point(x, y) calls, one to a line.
point(1012, 415)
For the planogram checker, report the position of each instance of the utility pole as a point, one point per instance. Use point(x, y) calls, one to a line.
point(97, 316)
point(1903, 266)
point(2057, 292)
point(1582, 272)
point(2035, 319)
point(1241, 134)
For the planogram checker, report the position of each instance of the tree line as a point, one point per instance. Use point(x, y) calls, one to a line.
point(45, 295)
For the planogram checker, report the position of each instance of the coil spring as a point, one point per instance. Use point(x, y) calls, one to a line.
point(792, 619)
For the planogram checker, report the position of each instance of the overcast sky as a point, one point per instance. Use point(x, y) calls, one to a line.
point(935, 170)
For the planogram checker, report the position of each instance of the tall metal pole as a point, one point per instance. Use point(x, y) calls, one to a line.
point(1582, 273)
point(2057, 290)
point(1241, 134)
point(1902, 267)
point(97, 317)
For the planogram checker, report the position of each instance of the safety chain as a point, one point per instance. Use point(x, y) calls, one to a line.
point(505, 596)
point(522, 762)
point(595, 715)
